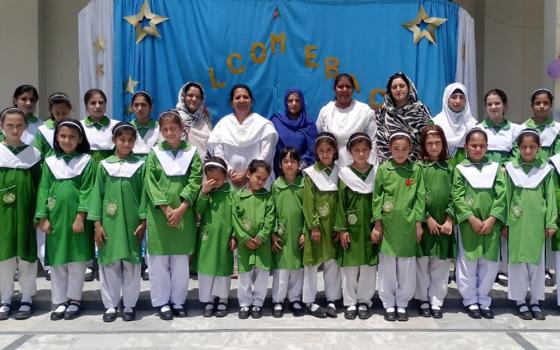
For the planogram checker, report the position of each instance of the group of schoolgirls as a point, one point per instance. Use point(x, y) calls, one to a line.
point(393, 223)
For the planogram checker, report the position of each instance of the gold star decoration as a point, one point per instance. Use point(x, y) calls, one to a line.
point(429, 33)
point(100, 70)
point(150, 29)
point(99, 44)
point(130, 85)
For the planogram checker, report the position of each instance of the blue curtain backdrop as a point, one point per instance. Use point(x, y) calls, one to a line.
point(364, 38)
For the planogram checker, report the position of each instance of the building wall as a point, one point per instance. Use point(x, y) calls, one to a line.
point(44, 52)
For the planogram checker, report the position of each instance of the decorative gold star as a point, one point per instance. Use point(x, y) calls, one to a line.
point(130, 85)
point(100, 70)
point(429, 33)
point(150, 29)
point(99, 44)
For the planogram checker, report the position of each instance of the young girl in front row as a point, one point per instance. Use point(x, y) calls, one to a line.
point(215, 244)
point(531, 217)
point(437, 245)
point(173, 179)
point(398, 212)
point(358, 257)
point(62, 204)
point(288, 238)
point(479, 199)
point(320, 198)
point(19, 175)
point(118, 209)
point(253, 222)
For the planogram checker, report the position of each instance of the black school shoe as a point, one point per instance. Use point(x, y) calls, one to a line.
point(402, 316)
point(350, 314)
point(502, 279)
point(166, 315)
point(109, 316)
point(4, 315)
point(129, 316)
point(55, 316)
point(297, 309)
point(278, 310)
point(424, 309)
point(331, 309)
point(256, 312)
point(24, 314)
point(244, 312)
point(221, 310)
point(208, 310)
point(473, 313)
point(487, 313)
point(70, 315)
point(524, 314)
point(363, 311)
point(180, 312)
point(537, 312)
point(320, 312)
point(436, 313)
point(390, 316)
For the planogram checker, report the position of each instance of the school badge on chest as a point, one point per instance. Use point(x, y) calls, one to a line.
point(388, 206)
point(111, 208)
point(469, 200)
point(323, 210)
point(247, 226)
point(51, 202)
point(516, 210)
point(352, 219)
point(9, 198)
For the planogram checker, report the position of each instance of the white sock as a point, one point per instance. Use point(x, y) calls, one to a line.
point(390, 309)
point(401, 310)
point(177, 306)
point(5, 308)
point(72, 308)
point(111, 311)
point(362, 307)
point(473, 307)
point(60, 308)
point(278, 306)
point(296, 305)
point(128, 309)
point(351, 308)
point(209, 307)
point(435, 307)
point(221, 307)
point(24, 308)
point(165, 308)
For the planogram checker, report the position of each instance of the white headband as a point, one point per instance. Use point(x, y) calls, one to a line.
point(170, 111)
point(325, 137)
point(68, 122)
point(432, 132)
point(142, 92)
point(529, 131)
point(541, 90)
point(124, 125)
point(359, 137)
point(400, 133)
point(59, 97)
point(216, 164)
point(12, 110)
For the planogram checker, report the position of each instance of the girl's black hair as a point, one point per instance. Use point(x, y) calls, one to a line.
point(218, 160)
point(198, 86)
point(291, 152)
point(328, 138)
point(171, 113)
point(58, 98)
point(540, 92)
point(473, 131)
point(91, 92)
point(533, 133)
point(142, 94)
point(83, 145)
point(123, 128)
point(12, 110)
point(20, 90)
point(358, 137)
point(256, 164)
point(395, 76)
point(500, 93)
point(241, 86)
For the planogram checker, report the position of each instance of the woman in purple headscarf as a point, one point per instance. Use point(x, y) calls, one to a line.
point(294, 129)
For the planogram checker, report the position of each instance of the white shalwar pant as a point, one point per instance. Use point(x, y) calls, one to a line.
point(252, 287)
point(120, 276)
point(27, 278)
point(358, 284)
point(523, 277)
point(67, 281)
point(287, 283)
point(432, 275)
point(331, 277)
point(557, 256)
point(210, 287)
point(397, 280)
point(169, 279)
point(503, 256)
point(475, 278)
point(41, 238)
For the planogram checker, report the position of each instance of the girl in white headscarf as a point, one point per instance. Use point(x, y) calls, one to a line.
point(455, 117)
point(195, 115)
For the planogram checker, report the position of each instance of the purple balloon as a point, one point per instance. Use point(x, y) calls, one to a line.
point(553, 69)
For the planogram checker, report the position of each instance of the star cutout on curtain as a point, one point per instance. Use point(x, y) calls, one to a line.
point(150, 29)
point(432, 24)
point(130, 85)
point(99, 44)
point(100, 70)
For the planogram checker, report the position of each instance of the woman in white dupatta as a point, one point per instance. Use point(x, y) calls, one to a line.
point(242, 136)
point(195, 115)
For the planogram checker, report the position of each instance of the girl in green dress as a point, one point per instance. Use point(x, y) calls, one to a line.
point(62, 204)
point(19, 175)
point(148, 130)
point(479, 200)
point(398, 212)
point(173, 179)
point(253, 222)
point(531, 217)
point(119, 184)
point(438, 244)
point(26, 98)
point(216, 243)
point(320, 200)
point(288, 237)
point(358, 257)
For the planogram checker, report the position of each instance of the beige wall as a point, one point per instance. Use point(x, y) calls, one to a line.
point(509, 34)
